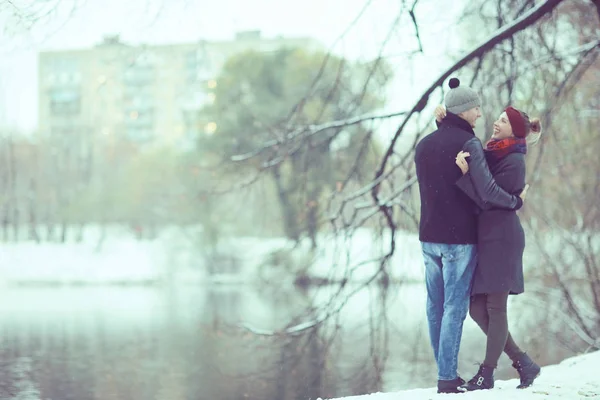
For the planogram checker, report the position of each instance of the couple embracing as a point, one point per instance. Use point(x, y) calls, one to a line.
point(471, 237)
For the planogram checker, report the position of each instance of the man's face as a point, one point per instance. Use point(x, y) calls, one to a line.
point(471, 115)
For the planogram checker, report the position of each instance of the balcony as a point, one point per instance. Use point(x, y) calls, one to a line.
point(139, 76)
point(65, 102)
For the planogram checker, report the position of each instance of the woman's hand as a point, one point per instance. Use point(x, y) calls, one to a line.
point(440, 113)
point(461, 161)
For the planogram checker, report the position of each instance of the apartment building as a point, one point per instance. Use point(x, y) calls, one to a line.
point(142, 93)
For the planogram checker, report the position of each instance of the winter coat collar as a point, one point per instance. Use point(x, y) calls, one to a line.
point(454, 120)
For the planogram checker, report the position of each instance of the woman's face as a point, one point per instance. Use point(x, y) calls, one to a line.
point(502, 128)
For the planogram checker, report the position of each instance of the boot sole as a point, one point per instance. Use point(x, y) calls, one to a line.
point(534, 378)
point(452, 392)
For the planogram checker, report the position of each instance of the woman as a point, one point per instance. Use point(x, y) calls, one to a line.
point(501, 242)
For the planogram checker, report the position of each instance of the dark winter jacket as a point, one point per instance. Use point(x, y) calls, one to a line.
point(501, 239)
point(447, 214)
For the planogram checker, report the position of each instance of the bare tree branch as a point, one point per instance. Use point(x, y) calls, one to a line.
point(503, 34)
point(309, 93)
point(413, 17)
point(312, 130)
point(518, 25)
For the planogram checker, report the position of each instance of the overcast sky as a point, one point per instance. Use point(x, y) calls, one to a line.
point(175, 21)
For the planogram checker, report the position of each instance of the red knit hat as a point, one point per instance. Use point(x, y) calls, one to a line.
point(517, 122)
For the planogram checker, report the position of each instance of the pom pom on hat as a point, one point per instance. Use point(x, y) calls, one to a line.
point(454, 83)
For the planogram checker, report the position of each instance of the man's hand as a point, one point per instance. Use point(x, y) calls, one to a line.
point(440, 113)
point(461, 161)
point(524, 192)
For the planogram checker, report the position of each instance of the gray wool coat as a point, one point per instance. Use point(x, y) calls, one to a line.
point(500, 240)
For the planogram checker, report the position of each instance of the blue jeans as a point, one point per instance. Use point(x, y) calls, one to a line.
point(448, 275)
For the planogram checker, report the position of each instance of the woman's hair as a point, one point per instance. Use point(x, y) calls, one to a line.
point(533, 127)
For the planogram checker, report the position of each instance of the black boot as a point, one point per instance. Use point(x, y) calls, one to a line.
point(484, 379)
point(527, 369)
point(453, 386)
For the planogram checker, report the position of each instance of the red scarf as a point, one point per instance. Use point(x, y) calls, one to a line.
point(497, 149)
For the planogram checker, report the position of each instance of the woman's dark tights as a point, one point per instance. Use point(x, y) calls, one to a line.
point(489, 312)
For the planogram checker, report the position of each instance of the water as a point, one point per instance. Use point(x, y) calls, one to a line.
point(186, 343)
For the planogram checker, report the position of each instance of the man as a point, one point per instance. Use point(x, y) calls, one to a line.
point(448, 226)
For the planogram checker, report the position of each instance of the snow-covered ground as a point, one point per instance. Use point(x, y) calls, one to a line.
point(574, 378)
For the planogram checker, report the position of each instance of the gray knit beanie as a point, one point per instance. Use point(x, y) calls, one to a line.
point(460, 98)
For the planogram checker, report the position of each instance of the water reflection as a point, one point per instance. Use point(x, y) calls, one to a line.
point(185, 343)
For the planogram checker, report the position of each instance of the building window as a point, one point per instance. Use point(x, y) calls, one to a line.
point(139, 134)
point(65, 101)
point(62, 72)
point(197, 66)
point(138, 76)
